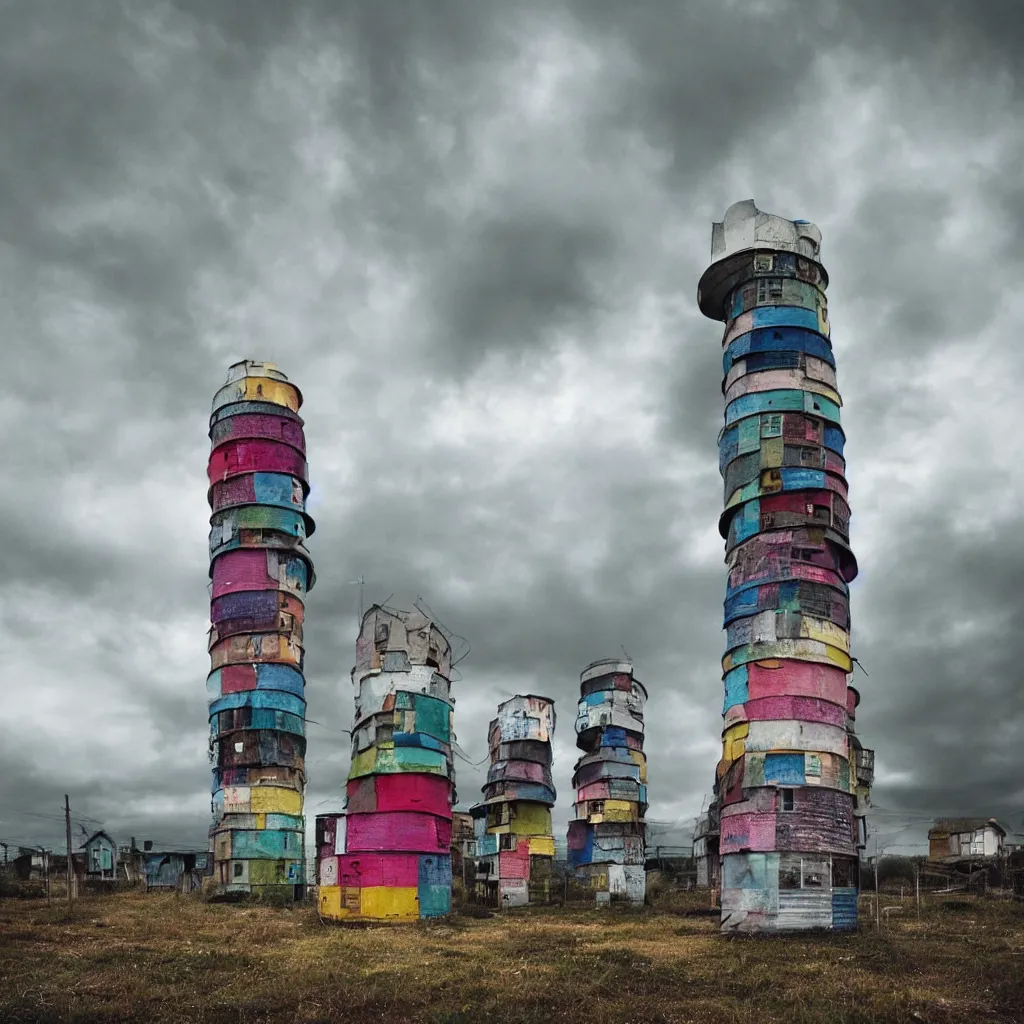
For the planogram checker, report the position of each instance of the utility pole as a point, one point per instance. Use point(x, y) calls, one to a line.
point(360, 581)
point(878, 914)
point(67, 836)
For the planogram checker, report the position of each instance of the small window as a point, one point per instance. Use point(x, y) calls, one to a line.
point(597, 807)
point(771, 425)
point(239, 747)
point(787, 799)
point(764, 262)
point(239, 868)
point(775, 288)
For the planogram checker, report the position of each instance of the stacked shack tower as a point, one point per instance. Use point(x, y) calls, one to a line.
point(260, 572)
point(515, 844)
point(388, 857)
point(606, 841)
point(787, 784)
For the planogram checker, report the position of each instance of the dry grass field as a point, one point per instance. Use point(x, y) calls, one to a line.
point(156, 959)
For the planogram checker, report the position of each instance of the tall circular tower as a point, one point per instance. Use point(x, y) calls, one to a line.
point(786, 786)
point(260, 573)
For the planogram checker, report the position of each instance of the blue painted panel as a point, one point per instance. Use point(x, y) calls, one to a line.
point(789, 400)
point(785, 316)
point(735, 682)
point(844, 909)
point(834, 438)
point(275, 489)
point(741, 604)
point(535, 791)
point(643, 794)
point(435, 869)
point(487, 845)
point(269, 676)
point(433, 717)
point(276, 700)
point(746, 522)
point(295, 822)
point(435, 900)
point(750, 871)
point(395, 661)
point(782, 340)
point(731, 593)
point(593, 699)
point(787, 769)
point(613, 736)
point(420, 756)
point(419, 739)
point(585, 854)
point(264, 843)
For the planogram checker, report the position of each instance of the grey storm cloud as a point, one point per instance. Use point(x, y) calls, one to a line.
point(471, 232)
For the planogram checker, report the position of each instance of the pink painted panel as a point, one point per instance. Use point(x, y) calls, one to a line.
point(623, 681)
point(236, 678)
point(834, 462)
point(236, 457)
point(747, 832)
point(408, 791)
point(398, 830)
point(260, 425)
point(515, 863)
point(801, 709)
point(796, 678)
point(242, 569)
point(526, 771)
point(852, 698)
point(594, 791)
point(364, 870)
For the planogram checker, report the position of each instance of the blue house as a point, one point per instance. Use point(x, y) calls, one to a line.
point(100, 858)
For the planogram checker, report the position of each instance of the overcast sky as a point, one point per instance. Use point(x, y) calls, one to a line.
point(471, 232)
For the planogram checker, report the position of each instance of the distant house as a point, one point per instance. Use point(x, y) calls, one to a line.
point(100, 858)
point(951, 840)
point(463, 841)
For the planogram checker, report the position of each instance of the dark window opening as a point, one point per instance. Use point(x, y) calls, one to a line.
point(787, 799)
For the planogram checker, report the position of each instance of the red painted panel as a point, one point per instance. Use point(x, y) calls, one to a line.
point(414, 792)
point(236, 457)
point(366, 870)
point(800, 709)
point(236, 678)
point(398, 830)
point(796, 678)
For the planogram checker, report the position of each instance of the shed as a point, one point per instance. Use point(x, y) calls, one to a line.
point(100, 857)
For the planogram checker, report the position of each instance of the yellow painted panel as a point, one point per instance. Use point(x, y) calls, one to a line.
point(739, 730)
point(640, 759)
point(621, 814)
point(264, 389)
point(380, 901)
point(542, 846)
point(261, 821)
point(531, 820)
point(363, 763)
point(274, 800)
point(619, 805)
point(826, 631)
point(330, 901)
point(772, 450)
